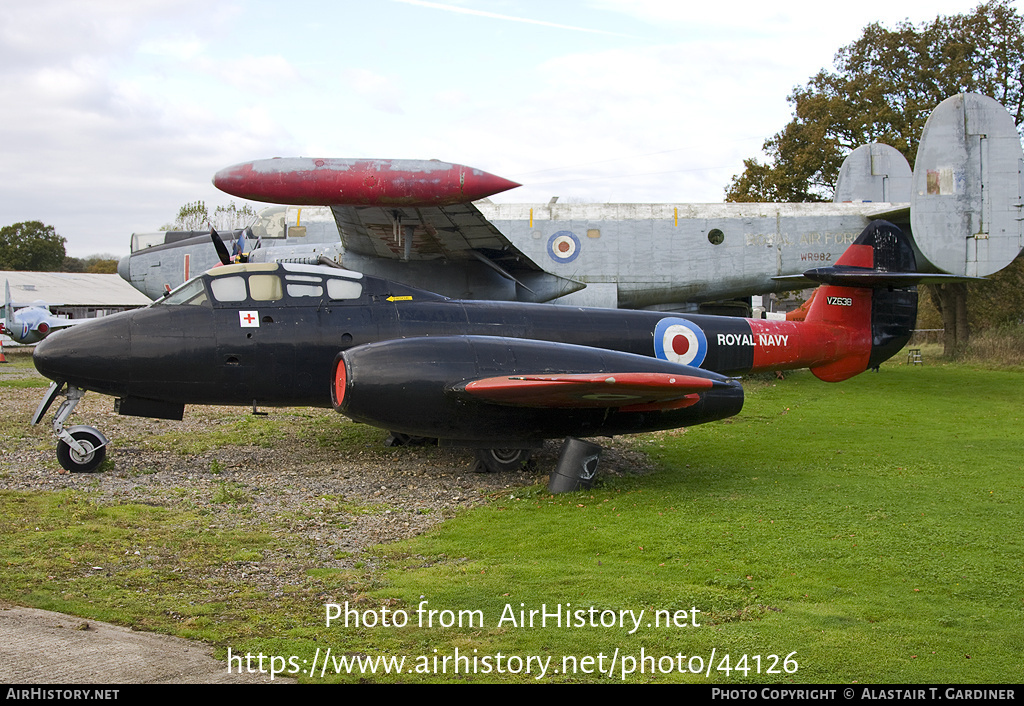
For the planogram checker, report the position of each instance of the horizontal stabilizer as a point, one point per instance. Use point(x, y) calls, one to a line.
point(866, 277)
point(881, 257)
point(895, 214)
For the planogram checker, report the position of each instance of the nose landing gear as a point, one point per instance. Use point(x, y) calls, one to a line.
point(80, 449)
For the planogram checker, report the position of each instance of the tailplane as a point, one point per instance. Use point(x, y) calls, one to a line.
point(963, 197)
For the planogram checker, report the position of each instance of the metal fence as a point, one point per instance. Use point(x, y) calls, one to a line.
point(926, 335)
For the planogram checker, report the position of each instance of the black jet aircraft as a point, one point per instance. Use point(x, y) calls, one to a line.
point(500, 377)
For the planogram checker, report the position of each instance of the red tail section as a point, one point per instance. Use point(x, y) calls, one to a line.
point(834, 341)
point(846, 329)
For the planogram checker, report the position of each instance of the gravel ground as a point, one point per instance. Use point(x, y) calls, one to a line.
point(396, 492)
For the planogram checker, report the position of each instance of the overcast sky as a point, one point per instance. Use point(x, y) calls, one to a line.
point(115, 113)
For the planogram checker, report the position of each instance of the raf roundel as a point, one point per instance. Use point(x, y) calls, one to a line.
point(563, 246)
point(680, 341)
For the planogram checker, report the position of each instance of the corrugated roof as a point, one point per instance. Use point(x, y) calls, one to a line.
point(72, 289)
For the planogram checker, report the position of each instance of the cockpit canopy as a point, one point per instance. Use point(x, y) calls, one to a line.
point(267, 282)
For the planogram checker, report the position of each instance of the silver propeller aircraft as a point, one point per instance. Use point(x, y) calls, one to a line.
point(961, 204)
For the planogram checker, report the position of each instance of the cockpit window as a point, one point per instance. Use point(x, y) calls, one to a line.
point(265, 288)
point(304, 286)
point(191, 294)
point(262, 288)
point(270, 222)
point(228, 289)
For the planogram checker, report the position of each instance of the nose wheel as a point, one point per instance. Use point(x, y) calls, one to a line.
point(80, 449)
point(93, 450)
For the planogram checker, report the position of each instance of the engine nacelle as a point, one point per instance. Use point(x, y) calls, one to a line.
point(416, 386)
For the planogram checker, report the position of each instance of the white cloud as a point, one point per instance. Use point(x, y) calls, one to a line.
point(381, 92)
point(266, 74)
point(659, 123)
point(98, 144)
point(178, 48)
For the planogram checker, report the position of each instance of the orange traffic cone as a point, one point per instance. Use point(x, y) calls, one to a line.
point(2, 359)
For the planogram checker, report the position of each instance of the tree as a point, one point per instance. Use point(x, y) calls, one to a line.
point(100, 265)
point(884, 86)
point(196, 216)
point(31, 246)
point(192, 216)
point(999, 302)
point(231, 216)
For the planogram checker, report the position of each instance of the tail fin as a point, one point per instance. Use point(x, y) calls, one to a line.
point(966, 197)
point(860, 294)
point(862, 314)
point(8, 307)
point(874, 172)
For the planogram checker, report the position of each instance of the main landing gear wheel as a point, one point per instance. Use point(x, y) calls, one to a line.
point(501, 460)
point(396, 438)
point(95, 451)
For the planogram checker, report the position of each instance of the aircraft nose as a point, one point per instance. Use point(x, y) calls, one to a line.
point(91, 355)
point(478, 184)
point(124, 268)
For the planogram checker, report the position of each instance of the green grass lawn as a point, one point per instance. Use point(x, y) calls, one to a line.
point(871, 527)
point(869, 531)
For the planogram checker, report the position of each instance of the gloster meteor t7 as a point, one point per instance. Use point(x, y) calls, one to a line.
point(499, 377)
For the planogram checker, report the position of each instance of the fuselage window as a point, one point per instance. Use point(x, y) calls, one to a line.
point(228, 289)
point(344, 289)
point(265, 288)
point(305, 290)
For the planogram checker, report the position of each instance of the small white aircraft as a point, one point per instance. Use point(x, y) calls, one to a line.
point(32, 323)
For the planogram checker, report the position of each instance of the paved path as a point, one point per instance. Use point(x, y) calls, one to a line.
point(40, 647)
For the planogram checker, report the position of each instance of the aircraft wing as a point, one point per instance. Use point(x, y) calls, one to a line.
point(56, 324)
point(896, 213)
point(454, 232)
